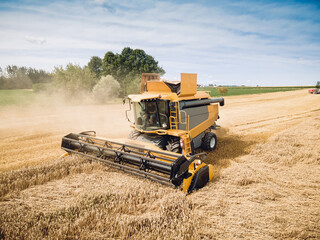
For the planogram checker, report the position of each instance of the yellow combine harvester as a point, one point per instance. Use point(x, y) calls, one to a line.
point(171, 121)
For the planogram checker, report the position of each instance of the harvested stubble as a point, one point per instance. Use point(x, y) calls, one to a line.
point(18, 180)
point(266, 183)
point(271, 193)
point(299, 145)
point(130, 214)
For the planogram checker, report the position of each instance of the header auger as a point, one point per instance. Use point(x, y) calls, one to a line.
point(171, 121)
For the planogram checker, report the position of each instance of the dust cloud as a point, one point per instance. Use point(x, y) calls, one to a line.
point(32, 134)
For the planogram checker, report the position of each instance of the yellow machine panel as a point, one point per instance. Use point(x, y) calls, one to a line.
point(213, 116)
point(145, 77)
point(188, 84)
point(157, 86)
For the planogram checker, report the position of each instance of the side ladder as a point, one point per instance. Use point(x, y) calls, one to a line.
point(187, 144)
point(174, 116)
point(175, 119)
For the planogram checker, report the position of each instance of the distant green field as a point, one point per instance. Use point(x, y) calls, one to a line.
point(232, 91)
point(27, 96)
point(16, 97)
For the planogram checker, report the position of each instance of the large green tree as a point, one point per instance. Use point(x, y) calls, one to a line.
point(125, 67)
point(95, 65)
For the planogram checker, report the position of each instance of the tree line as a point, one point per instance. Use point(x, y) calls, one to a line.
point(120, 72)
point(14, 77)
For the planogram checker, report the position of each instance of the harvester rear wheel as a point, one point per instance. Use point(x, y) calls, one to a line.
point(174, 145)
point(209, 141)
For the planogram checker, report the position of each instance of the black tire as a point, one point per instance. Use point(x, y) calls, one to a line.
point(209, 141)
point(134, 134)
point(174, 145)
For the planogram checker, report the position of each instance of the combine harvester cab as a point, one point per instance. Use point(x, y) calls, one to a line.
point(171, 120)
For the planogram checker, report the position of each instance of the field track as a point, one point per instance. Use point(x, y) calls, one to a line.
point(266, 181)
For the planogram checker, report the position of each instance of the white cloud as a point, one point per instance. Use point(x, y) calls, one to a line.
point(35, 40)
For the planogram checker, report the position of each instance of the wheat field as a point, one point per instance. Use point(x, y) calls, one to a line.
point(266, 180)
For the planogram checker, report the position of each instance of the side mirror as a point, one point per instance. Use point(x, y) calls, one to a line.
point(124, 100)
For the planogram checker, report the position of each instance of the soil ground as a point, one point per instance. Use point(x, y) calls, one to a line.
point(266, 182)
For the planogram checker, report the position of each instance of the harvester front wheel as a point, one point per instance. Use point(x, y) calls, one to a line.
point(174, 145)
point(209, 141)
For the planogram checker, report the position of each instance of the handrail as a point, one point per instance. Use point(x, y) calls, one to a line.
point(186, 119)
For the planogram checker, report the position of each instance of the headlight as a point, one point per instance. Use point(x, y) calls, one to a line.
point(197, 162)
point(182, 143)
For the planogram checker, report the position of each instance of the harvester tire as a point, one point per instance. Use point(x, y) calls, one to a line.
point(174, 145)
point(134, 134)
point(209, 141)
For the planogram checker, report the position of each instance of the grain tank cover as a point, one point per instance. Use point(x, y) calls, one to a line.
point(188, 84)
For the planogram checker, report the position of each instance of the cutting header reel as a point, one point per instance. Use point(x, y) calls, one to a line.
point(188, 172)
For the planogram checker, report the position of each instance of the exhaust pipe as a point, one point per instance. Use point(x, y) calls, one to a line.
point(195, 103)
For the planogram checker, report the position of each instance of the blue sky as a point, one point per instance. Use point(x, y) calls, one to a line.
point(265, 43)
